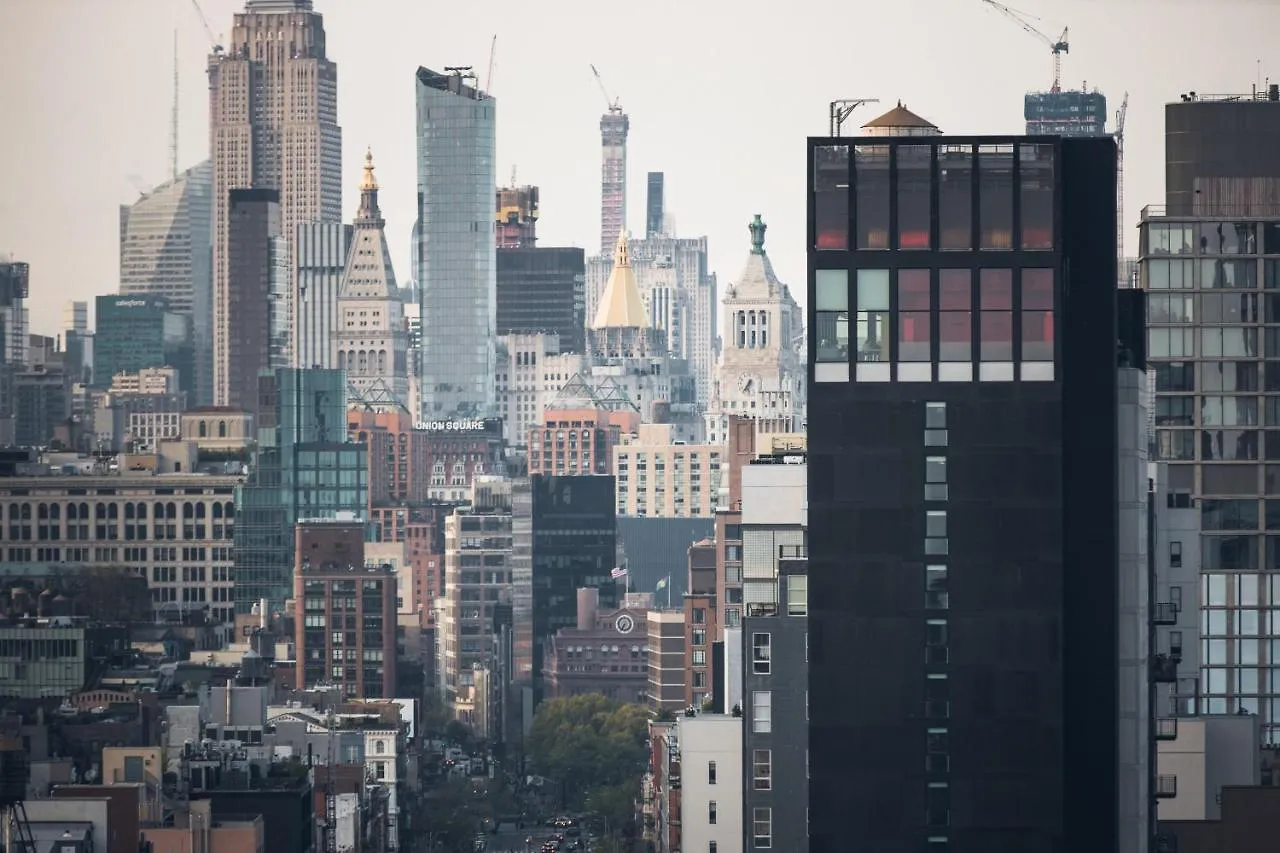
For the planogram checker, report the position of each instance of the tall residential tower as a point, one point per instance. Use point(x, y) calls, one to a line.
point(454, 262)
point(614, 126)
point(273, 124)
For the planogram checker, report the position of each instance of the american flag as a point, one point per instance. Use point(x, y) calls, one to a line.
point(618, 573)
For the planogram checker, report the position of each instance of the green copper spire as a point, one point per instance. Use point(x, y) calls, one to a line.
point(757, 228)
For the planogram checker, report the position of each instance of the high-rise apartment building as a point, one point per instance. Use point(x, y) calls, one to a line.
point(344, 612)
point(273, 124)
point(166, 250)
point(978, 662)
point(454, 263)
point(1210, 263)
point(258, 276)
point(371, 341)
point(614, 126)
point(320, 252)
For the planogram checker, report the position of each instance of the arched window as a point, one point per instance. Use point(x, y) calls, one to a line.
point(382, 361)
point(379, 747)
point(222, 429)
point(342, 360)
point(204, 429)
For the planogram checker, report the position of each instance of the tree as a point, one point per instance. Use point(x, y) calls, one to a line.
point(595, 748)
point(457, 732)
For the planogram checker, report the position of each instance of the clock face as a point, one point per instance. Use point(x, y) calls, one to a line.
point(625, 624)
point(747, 384)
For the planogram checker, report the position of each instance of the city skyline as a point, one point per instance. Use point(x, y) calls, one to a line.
point(713, 193)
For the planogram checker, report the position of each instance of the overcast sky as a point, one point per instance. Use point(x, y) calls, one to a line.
point(721, 97)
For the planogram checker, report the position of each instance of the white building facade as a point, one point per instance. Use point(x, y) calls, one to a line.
point(711, 782)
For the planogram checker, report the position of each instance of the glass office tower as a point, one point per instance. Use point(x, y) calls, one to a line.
point(454, 262)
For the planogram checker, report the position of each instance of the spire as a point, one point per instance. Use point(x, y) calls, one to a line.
point(620, 305)
point(369, 183)
point(369, 211)
point(757, 229)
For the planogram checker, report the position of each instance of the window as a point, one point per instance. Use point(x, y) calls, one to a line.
point(1037, 315)
point(761, 653)
point(873, 315)
point(762, 769)
point(935, 587)
point(996, 318)
point(995, 196)
point(935, 532)
point(955, 197)
point(762, 828)
point(935, 478)
point(1035, 184)
point(913, 316)
point(1170, 274)
point(937, 751)
point(935, 641)
point(1171, 343)
point(832, 308)
point(711, 812)
point(712, 847)
point(915, 166)
point(1242, 275)
point(955, 315)
point(797, 595)
point(761, 711)
point(871, 217)
point(831, 197)
point(1171, 308)
point(711, 772)
point(1228, 238)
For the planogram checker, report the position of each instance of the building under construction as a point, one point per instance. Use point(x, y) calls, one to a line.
point(1066, 113)
point(516, 217)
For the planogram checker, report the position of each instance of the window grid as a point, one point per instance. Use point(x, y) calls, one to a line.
point(937, 686)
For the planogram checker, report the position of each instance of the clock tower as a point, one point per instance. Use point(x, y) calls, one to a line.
point(761, 370)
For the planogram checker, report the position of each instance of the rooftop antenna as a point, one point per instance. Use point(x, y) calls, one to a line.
point(173, 119)
point(840, 110)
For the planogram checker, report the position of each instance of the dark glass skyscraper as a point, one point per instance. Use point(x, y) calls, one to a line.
point(969, 425)
point(543, 290)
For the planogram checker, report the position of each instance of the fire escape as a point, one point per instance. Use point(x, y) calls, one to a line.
point(1163, 671)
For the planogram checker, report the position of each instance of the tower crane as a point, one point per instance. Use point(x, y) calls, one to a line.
point(1057, 46)
point(493, 56)
point(208, 31)
point(615, 106)
point(1121, 114)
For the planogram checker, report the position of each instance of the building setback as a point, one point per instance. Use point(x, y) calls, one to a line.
point(273, 106)
point(966, 523)
point(454, 248)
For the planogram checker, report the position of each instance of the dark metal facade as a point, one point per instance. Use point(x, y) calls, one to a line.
point(1220, 156)
point(543, 290)
point(963, 510)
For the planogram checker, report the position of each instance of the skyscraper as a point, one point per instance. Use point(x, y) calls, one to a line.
point(454, 259)
point(654, 206)
point(166, 250)
point(256, 273)
point(320, 252)
point(273, 99)
point(371, 340)
point(978, 666)
point(614, 126)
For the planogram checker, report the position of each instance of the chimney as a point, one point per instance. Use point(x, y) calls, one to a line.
point(588, 603)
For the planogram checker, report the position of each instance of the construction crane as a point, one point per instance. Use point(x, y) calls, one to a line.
point(1121, 114)
point(1058, 46)
point(493, 55)
point(208, 31)
point(838, 111)
point(615, 106)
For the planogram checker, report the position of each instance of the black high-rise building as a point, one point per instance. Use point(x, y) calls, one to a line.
point(965, 520)
point(574, 546)
point(543, 290)
point(654, 209)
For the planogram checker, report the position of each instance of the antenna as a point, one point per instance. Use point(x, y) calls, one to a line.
point(173, 119)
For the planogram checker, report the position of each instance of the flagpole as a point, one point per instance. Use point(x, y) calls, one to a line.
point(668, 592)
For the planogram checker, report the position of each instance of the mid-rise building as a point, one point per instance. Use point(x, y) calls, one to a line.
point(371, 340)
point(454, 265)
point(660, 476)
point(541, 290)
point(531, 372)
point(712, 786)
point(606, 653)
point(166, 250)
point(320, 251)
point(700, 635)
point(273, 107)
point(344, 612)
point(136, 333)
point(578, 440)
point(666, 690)
point(976, 427)
point(760, 374)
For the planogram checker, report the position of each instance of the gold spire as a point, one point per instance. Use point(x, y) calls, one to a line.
point(620, 305)
point(369, 183)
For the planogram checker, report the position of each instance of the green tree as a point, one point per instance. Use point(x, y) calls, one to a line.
point(595, 749)
point(451, 816)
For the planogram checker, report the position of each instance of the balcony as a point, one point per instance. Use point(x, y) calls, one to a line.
point(1166, 787)
point(1166, 728)
point(1165, 613)
point(1164, 669)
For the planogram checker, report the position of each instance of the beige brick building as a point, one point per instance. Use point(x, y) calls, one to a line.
point(661, 477)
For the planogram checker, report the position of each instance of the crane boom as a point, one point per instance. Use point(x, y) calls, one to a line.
point(1121, 115)
point(612, 103)
point(208, 31)
point(493, 55)
point(1057, 46)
